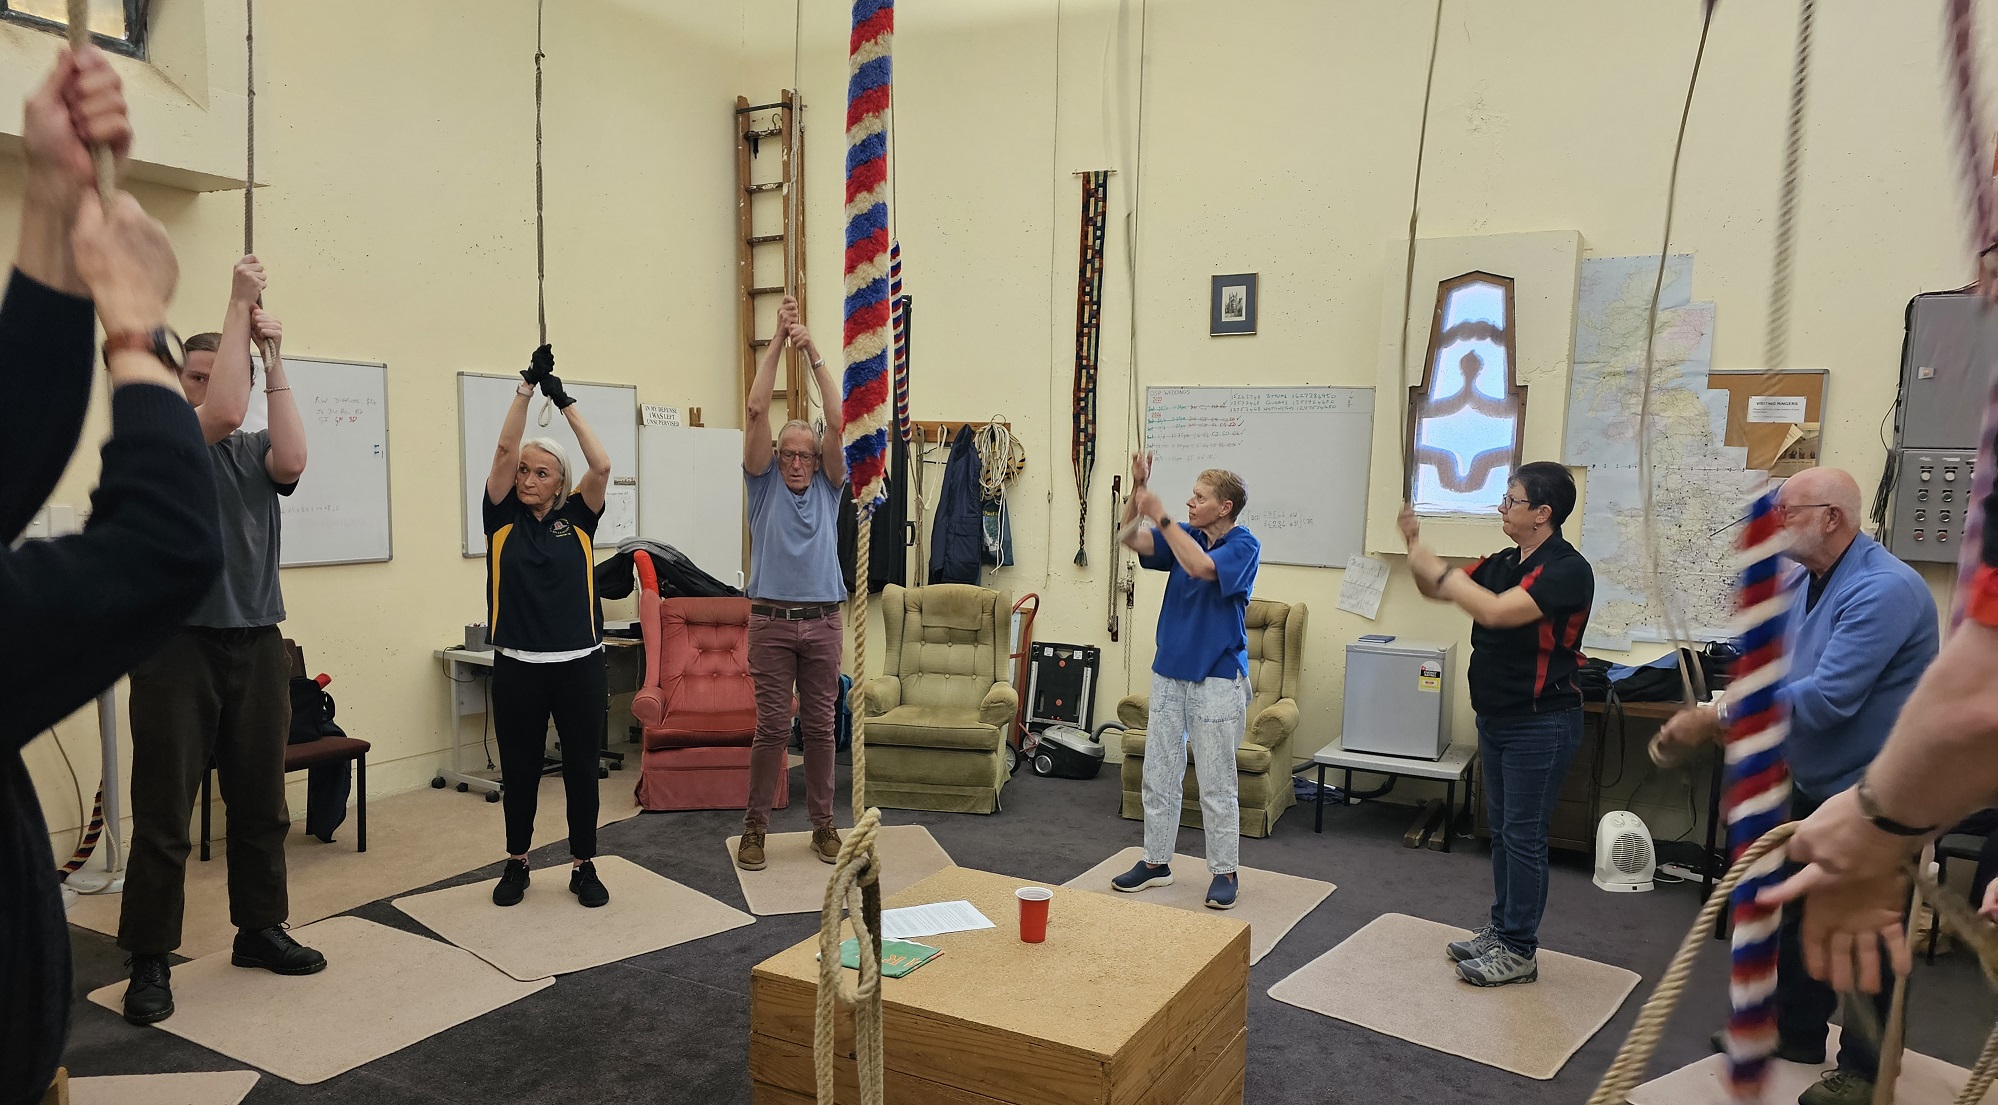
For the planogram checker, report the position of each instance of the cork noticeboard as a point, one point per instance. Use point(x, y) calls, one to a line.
point(1777, 416)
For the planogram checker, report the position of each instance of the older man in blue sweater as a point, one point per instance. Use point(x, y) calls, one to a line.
point(1863, 630)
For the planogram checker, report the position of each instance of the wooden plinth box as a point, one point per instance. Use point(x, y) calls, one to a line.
point(1126, 1003)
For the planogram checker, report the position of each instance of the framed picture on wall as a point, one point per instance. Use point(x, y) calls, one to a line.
point(1232, 306)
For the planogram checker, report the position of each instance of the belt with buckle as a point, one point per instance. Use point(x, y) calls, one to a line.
point(793, 613)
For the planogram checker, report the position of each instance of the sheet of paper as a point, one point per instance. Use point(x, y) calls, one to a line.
point(620, 518)
point(656, 415)
point(1366, 579)
point(934, 919)
point(1775, 408)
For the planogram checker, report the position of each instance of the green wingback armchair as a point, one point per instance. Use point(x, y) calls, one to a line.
point(936, 721)
point(1262, 763)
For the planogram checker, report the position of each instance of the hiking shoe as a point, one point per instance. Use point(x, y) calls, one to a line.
point(1786, 1051)
point(825, 844)
point(1500, 966)
point(275, 951)
point(513, 883)
point(1481, 941)
point(585, 885)
point(1142, 876)
point(1221, 892)
point(149, 998)
point(749, 850)
point(1838, 1087)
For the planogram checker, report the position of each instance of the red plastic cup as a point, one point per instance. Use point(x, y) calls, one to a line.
point(1033, 912)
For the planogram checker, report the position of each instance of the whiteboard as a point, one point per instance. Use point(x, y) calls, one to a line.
point(691, 495)
point(1302, 453)
point(612, 411)
point(340, 512)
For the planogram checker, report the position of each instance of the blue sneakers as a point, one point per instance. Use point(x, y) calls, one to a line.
point(1142, 876)
point(1221, 892)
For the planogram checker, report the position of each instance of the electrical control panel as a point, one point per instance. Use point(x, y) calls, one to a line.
point(1931, 504)
point(1952, 342)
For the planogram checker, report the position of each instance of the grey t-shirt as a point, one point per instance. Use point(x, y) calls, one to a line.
point(247, 593)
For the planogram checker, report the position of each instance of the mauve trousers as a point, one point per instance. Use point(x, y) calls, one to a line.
point(784, 655)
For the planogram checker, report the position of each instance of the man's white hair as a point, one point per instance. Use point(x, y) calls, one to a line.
point(801, 424)
point(554, 449)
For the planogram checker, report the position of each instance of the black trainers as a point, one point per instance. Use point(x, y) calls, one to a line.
point(149, 998)
point(585, 885)
point(512, 884)
point(274, 950)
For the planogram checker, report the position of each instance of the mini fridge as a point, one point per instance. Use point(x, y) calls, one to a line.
point(1398, 698)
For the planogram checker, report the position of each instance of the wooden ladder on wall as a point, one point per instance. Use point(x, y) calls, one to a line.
point(770, 220)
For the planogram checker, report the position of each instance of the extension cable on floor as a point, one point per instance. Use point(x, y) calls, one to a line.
point(1680, 871)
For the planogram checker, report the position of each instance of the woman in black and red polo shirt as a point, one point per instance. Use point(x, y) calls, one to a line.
point(1528, 605)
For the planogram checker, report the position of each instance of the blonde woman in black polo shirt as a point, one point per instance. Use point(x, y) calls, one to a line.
point(546, 627)
point(1529, 605)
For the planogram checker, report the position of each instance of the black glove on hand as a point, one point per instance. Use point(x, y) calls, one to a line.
point(539, 366)
point(551, 386)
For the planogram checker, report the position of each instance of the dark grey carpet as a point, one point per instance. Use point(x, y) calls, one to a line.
point(672, 1026)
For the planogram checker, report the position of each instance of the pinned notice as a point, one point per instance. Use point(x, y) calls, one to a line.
point(1366, 579)
point(1776, 408)
point(656, 415)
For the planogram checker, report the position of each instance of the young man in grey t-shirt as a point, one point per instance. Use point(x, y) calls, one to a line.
point(220, 689)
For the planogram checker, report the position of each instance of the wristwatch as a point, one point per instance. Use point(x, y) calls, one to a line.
point(160, 341)
point(1870, 809)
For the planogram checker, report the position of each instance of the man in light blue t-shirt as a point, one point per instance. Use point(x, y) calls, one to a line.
point(1200, 673)
point(795, 591)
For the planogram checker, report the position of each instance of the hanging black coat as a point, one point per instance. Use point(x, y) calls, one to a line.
point(958, 538)
point(888, 556)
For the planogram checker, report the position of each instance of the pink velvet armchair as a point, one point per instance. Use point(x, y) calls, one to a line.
point(698, 705)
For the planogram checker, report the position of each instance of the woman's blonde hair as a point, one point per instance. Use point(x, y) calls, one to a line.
point(554, 449)
point(1226, 486)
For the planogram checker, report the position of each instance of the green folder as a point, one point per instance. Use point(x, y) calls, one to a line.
point(898, 957)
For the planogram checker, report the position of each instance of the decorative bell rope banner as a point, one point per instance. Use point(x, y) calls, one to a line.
point(900, 308)
point(1756, 789)
point(1088, 337)
point(864, 405)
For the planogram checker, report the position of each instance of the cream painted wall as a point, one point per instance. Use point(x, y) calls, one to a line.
point(398, 223)
point(1281, 138)
point(1278, 139)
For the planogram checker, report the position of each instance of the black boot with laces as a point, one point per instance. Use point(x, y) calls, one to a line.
point(275, 951)
point(149, 998)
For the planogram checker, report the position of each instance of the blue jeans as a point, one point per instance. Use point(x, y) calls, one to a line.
point(1524, 760)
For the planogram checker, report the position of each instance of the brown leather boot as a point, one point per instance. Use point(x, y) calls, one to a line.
point(749, 851)
point(825, 844)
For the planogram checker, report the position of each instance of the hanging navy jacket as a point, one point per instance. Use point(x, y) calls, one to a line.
point(958, 539)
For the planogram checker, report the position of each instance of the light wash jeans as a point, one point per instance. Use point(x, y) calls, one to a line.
point(1211, 714)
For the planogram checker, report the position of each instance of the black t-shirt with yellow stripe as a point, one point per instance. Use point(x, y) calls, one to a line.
point(541, 592)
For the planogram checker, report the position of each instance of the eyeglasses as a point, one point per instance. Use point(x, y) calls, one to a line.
point(793, 456)
point(1788, 508)
point(1509, 502)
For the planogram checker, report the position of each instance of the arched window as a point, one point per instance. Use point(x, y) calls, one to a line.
point(1466, 417)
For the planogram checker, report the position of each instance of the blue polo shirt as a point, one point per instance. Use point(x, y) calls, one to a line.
point(1203, 631)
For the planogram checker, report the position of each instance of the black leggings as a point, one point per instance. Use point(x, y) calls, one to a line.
point(524, 695)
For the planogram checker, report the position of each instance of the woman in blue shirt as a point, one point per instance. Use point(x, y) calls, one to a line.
point(1200, 673)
